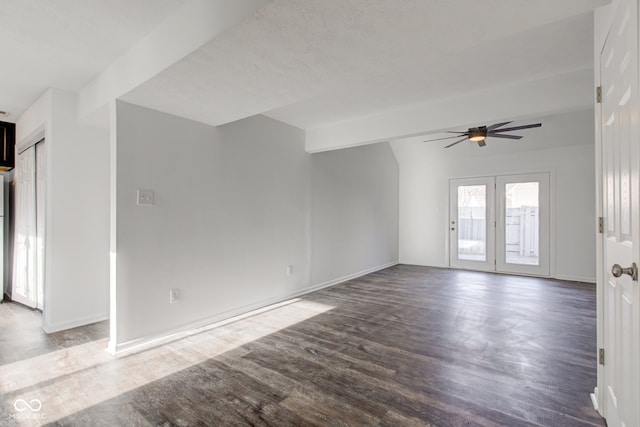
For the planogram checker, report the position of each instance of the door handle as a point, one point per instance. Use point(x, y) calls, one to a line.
point(632, 271)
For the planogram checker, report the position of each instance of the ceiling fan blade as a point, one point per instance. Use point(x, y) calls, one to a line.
point(457, 142)
point(440, 139)
point(458, 131)
point(496, 126)
point(499, 135)
point(537, 125)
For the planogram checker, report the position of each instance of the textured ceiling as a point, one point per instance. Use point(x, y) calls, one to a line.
point(312, 63)
point(66, 43)
point(533, 54)
point(309, 63)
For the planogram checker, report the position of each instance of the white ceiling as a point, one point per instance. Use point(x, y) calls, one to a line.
point(546, 50)
point(312, 63)
point(309, 63)
point(66, 43)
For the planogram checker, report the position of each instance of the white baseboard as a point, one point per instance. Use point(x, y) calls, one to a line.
point(594, 399)
point(74, 323)
point(570, 278)
point(347, 278)
point(229, 316)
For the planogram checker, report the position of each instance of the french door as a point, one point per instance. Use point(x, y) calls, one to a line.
point(500, 224)
point(471, 223)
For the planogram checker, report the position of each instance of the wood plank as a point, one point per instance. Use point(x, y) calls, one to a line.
point(409, 345)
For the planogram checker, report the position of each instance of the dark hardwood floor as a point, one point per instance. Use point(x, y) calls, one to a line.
point(401, 347)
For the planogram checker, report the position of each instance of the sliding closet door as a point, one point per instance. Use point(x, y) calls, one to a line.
point(25, 290)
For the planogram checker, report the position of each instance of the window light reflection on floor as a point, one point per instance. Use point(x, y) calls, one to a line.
point(73, 379)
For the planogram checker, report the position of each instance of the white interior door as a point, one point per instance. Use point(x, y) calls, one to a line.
point(621, 191)
point(24, 289)
point(471, 223)
point(523, 224)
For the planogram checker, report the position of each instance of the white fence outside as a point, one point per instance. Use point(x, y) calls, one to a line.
point(521, 233)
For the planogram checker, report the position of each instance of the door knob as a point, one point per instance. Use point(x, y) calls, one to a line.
point(632, 271)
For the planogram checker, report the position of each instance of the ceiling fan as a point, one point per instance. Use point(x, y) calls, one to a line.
point(480, 133)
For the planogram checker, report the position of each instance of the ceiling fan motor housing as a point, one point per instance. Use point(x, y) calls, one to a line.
point(478, 134)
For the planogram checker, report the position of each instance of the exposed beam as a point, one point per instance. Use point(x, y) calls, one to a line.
point(194, 24)
point(560, 93)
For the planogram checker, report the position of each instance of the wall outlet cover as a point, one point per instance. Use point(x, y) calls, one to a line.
point(174, 295)
point(146, 197)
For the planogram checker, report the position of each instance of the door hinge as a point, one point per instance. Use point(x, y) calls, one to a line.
point(601, 356)
point(599, 95)
point(600, 225)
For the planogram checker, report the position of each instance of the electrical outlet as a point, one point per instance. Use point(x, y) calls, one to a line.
point(145, 197)
point(174, 295)
point(289, 270)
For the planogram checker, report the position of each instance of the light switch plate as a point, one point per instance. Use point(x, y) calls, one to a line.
point(145, 197)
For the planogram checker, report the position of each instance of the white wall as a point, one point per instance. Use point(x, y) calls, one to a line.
point(232, 211)
point(564, 146)
point(355, 211)
point(76, 266)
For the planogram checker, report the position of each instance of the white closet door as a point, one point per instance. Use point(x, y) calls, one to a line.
point(25, 289)
point(41, 191)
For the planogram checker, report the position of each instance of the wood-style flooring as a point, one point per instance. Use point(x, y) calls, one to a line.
point(401, 347)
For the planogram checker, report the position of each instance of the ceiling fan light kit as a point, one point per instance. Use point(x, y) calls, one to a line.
point(481, 133)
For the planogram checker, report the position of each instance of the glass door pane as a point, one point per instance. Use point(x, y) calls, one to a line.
point(472, 222)
point(523, 227)
point(522, 223)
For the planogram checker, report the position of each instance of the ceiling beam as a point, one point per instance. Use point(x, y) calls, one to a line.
point(193, 25)
point(560, 93)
